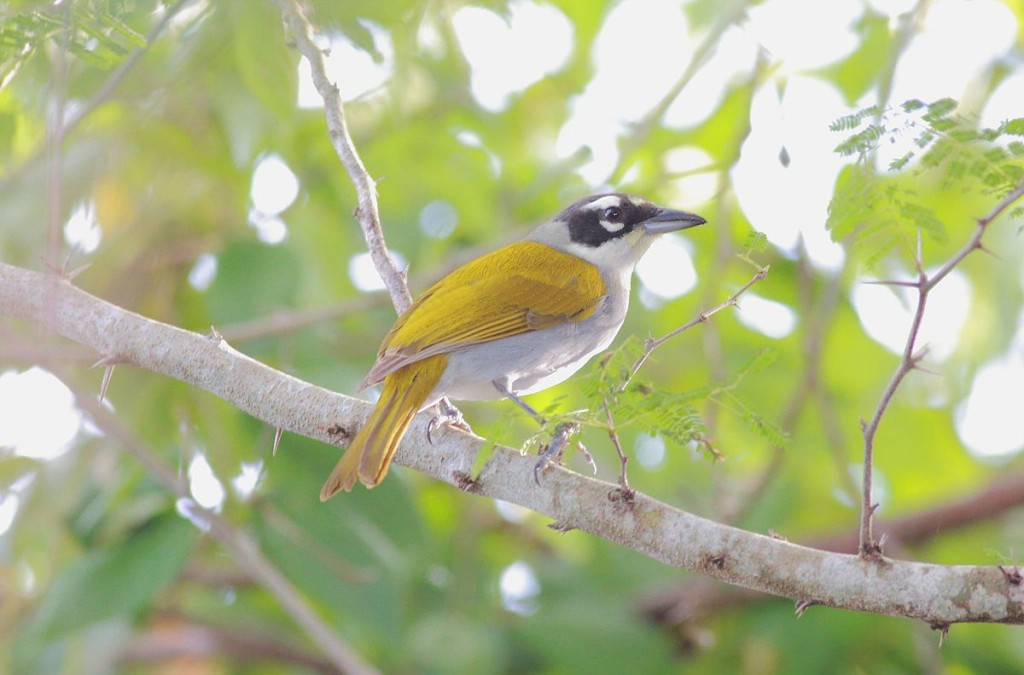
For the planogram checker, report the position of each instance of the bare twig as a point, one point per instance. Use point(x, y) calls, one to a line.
point(367, 212)
point(703, 317)
point(614, 435)
point(869, 548)
point(240, 544)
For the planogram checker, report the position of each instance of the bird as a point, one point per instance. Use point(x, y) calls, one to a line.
point(512, 322)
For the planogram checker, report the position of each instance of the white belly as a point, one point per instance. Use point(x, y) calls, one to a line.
point(529, 362)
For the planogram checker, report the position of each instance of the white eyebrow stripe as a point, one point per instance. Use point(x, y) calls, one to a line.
point(604, 202)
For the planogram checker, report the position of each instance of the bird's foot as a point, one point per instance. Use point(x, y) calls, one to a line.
point(447, 415)
point(556, 448)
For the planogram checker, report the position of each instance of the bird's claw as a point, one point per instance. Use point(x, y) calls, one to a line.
point(556, 448)
point(448, 415)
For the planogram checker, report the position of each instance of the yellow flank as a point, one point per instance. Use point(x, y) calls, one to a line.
point(518, 288)
point(369, 455)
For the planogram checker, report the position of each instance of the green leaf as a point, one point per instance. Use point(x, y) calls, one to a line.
point(758, 362)
point(117, 581)
point(1014, 127)
point(758, 423)
point(854, 120)
point(861, 142)
point(756, 242)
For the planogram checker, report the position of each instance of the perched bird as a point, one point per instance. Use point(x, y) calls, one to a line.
point(513, 322)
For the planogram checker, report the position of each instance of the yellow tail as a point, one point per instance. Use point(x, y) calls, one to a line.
point(369, 455)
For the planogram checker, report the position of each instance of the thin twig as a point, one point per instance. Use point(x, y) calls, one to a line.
point(869, 548)
point(367, 212)
point(703, 317)
point(613, 433)
point(240, 544)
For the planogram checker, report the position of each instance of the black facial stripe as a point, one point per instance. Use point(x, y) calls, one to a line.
point(584, 221)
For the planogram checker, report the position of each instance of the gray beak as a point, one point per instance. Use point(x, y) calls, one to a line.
point(667, 220)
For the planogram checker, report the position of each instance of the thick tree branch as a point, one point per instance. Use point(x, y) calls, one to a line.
point(937, 594)
point(698, 599)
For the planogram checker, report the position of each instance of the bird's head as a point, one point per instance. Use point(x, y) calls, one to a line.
point(613, 230)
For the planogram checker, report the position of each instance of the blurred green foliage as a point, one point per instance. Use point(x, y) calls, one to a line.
point(410, 574)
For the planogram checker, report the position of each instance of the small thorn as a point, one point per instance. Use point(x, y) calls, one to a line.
point(70, 276)
point(278, 433)
point(107, 361)
point(107, 374)
point(215, 334)
point(802, 606)
point(919, 355)
point(943, 629)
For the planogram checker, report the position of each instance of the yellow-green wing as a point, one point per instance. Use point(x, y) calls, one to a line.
point(522, 287)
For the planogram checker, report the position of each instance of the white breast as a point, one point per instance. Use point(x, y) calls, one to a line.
point(534, 361)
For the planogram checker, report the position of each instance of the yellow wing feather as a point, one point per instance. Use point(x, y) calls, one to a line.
point(519, 288)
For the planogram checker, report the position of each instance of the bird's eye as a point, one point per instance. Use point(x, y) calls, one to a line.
point(612, 213)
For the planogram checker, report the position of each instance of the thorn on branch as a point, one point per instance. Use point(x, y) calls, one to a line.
point(802, 606)
point(71, 274)
point(985, 249)
point(107, 374)
point(943, 629)
point(918, 356)
point(1013, 574)
point(278, 433)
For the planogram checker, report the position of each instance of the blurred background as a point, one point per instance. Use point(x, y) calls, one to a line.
point(179, 151)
